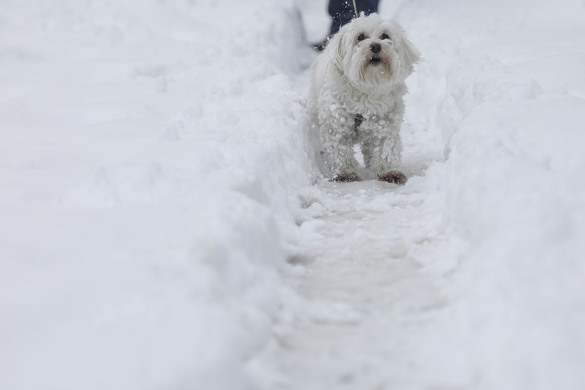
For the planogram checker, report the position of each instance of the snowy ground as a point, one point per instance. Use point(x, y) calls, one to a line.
point(163, 226)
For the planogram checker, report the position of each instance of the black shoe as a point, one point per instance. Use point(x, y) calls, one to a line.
point(320, 46)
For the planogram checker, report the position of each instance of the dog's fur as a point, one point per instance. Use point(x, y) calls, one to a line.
point(357, 90)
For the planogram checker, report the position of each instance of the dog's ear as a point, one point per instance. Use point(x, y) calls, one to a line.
point(411, 54)
point(336, 49)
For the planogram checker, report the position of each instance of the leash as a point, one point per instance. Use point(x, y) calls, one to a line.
point(355, 9)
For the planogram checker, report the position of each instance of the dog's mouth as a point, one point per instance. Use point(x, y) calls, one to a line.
point(375, 60)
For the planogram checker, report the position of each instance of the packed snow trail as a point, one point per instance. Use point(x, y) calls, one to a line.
point(365, 287)
point(364, 280)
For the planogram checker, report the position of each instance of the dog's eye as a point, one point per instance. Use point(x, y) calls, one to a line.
point(361, 37)
point(384, 36)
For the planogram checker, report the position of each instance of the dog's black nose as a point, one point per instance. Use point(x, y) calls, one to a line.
point(375, 48)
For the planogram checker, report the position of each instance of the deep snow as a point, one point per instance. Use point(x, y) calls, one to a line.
point(163, 225)
point(149, 163)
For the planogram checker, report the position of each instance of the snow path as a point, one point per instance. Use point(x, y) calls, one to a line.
point(365, 286)
point(363, 283)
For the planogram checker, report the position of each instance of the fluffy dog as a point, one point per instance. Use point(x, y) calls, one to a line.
point(357, 90)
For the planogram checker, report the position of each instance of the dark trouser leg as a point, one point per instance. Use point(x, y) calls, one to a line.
point(342, 11)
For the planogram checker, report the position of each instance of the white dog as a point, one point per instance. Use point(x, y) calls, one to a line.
point(357, 90)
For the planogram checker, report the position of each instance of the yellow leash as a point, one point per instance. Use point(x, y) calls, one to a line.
point(355, 9)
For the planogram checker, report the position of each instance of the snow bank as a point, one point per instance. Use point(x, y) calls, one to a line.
point(505, 87)
point(151, 159)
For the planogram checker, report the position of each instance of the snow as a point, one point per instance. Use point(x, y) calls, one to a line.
point(149, 164)
point(514, 190)
point(163, 225)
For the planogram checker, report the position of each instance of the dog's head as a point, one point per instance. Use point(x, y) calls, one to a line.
point(373, 53)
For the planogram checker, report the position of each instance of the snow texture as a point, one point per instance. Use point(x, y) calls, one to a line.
point(149, 167)
point(163, 224)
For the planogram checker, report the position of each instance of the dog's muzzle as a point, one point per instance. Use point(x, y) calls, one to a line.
point(375, 59)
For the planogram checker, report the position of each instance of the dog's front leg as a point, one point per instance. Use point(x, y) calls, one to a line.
point(337, 152)
point(385, 158)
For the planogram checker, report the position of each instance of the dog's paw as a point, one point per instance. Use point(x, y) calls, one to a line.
point(395, 177)
point(346, 177)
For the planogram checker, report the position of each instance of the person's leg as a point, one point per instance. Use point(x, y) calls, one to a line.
point(342, 11)
point(368, 6)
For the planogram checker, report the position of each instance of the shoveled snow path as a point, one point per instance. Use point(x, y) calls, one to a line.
point(367, 287)
point(365, 290)
point(364, 278)
point(368, 292)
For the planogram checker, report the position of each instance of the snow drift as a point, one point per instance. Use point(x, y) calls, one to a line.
point(152, 153)
point(506, 91)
